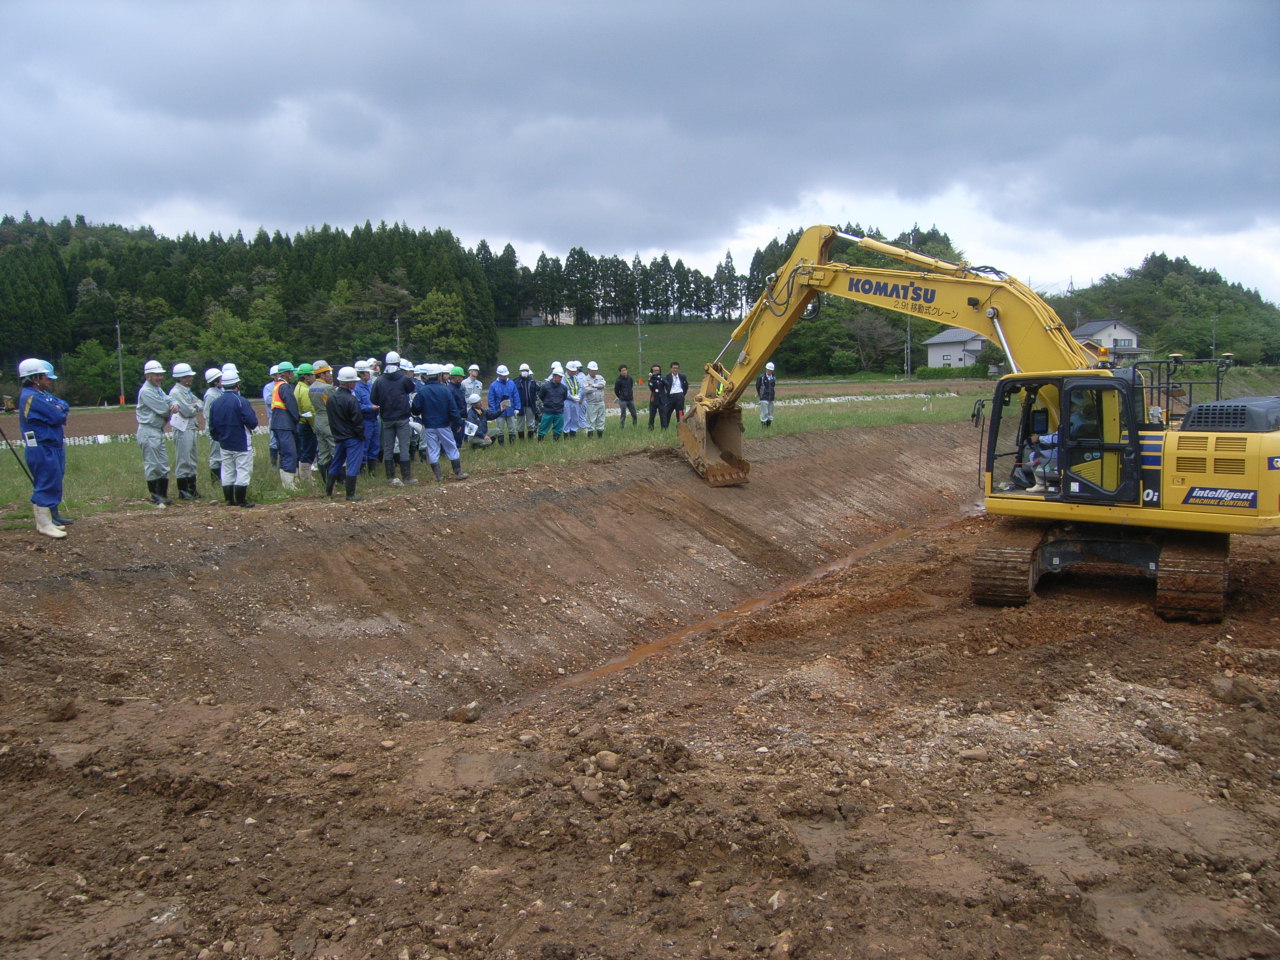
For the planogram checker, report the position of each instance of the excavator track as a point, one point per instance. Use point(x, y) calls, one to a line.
point(1005, 573)
point(1191, 583)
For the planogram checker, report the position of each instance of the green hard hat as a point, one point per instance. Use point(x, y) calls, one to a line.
point(284, 367)
point(457, 372)
point(304, 370)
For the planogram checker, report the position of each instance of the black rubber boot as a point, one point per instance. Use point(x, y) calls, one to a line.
point(329, 480)
point(457, 470)
point(406, 472)
point(229, 494)
point(191, 487)
point(162, 488)
point(152, 495)
point(58, 518)
point(502, 440)
point(351, 489)
point(435, 468)
point(539, 437)
point(242, 497)
point(215, 475)
point(391, 469)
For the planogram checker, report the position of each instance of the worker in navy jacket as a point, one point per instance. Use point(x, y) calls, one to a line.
point(41, 417)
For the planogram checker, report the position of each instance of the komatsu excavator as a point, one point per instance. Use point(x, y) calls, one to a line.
point(1126, 481)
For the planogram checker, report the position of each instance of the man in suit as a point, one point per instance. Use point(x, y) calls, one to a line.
point(674, 385)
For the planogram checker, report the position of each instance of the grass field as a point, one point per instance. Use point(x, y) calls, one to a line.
point(689, 344)
point(106, 478)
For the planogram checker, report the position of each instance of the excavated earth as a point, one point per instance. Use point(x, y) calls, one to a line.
point(612, 712)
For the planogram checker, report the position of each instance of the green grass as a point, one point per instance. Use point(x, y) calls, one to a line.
point(689, 344)
point(107, 478)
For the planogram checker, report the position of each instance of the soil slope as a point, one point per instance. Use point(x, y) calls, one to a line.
point(616, 713)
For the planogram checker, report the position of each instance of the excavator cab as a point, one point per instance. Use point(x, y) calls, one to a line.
point(1094, 443)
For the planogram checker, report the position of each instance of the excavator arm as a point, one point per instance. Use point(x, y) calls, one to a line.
point(980, 299)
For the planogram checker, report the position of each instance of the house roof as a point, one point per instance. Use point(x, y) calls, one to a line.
point(953, 335)
point(1091, 327)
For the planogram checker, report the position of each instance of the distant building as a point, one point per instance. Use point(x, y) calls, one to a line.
point(954, 347)
point(1120, 339)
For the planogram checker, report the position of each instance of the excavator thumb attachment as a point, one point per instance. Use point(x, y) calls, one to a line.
point(713, 443)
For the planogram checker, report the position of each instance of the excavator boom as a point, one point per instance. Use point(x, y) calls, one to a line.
point(979, 299)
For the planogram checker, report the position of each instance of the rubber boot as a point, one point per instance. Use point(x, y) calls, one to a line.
point(329, 480)
point(457, 470)
point(590, 434)
point(215, 474)
point(183, 493)
point(539, 438)
point(229, 494)
point(406, 473)
point(242, 497)
point(162, 488)
point(351, 489)
point(502, 440)
point(153, 495)
point(45, 524)
point(58, 519)
point(288, 480)
point(435, 468)
point(391, 472)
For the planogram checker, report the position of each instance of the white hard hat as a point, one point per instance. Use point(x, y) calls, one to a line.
point(473, 399)
point(503, 371)
point(275, 368)
point(422, 368)
point(348, 375)
point(153, 366)
point(769, 365)
point(230, 375)
point(525, 368)
point(183, 370)
point(592, 365)
point(393, 357)
point(362, 366)
point(574, 364)
point(556, 368)
point(29, 368)
point(212, 374)
point(371, 361)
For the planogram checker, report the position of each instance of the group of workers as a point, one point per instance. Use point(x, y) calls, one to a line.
point(341, 422)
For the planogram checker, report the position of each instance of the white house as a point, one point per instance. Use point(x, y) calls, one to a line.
point(1120, 339)
point(954, 347)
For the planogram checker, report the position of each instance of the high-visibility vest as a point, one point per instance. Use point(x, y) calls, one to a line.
point(276, 402)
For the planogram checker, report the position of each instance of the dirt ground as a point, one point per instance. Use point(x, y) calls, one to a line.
point(616, 713)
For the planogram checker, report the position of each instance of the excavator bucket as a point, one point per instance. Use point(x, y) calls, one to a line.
point(713, 444)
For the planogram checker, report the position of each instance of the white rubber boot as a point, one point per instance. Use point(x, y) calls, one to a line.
point(304, 473)
point(45, 524)
point(288, 480)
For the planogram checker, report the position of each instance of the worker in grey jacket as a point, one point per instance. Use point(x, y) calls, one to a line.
point(213, 377)
point(185, 430)
point(153, 411)
point(593, 388)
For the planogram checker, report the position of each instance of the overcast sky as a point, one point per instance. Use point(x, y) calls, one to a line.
point(1059, 141)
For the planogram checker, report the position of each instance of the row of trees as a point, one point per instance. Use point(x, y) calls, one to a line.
point(69, 289)
point(324, 292)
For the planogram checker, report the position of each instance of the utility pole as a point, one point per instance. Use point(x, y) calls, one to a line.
point(1213, 351)
point(396, 320)
point(908, 370)
point(120, 360)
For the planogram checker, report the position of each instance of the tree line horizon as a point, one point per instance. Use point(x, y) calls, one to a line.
point(68, 289)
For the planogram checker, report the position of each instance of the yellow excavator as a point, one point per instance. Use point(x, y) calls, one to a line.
point(1098, 466)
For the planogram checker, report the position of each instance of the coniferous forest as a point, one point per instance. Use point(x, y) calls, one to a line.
point(69, 289)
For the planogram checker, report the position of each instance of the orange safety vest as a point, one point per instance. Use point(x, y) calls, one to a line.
point(276, 402)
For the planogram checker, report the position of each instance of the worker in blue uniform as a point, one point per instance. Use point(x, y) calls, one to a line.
point(41, 418)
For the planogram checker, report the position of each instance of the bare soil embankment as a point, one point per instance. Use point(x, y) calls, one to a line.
point(510, 718)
